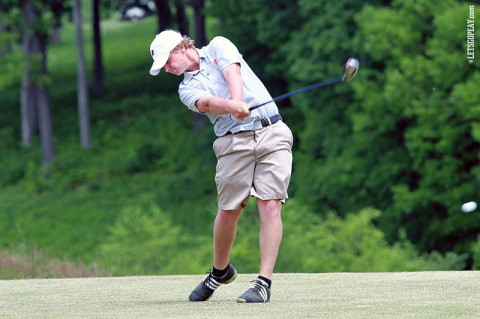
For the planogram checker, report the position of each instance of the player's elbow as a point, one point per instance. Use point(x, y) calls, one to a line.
point(202, 105)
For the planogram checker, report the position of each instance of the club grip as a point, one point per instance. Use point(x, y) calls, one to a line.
point(257, 106)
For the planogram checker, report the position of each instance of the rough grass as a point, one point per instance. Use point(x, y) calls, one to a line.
point(37, 264)
point(332, 295)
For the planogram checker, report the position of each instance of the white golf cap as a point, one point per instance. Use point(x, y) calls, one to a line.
point(160, 48)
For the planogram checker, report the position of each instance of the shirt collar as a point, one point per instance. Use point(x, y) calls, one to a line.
point(188, 75)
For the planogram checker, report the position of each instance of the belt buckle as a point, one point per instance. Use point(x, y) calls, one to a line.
point(257, 125)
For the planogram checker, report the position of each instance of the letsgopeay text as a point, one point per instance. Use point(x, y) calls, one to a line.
point(471, 35)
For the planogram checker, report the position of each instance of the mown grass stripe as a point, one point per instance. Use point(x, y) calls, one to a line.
point(454, 294)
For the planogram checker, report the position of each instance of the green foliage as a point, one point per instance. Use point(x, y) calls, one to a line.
point(70, 212)
point(145, 159)
point(258, 38)
point(316, 52)
point(144, 240)
point(315, 244)
point(420, 120)
point(476, 254)
point(140, 242)
point(401, 136)
point(9, 72)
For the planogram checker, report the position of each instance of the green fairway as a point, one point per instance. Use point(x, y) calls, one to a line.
point(332, 295)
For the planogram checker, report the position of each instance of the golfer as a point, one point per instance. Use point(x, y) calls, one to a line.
point(253, 149)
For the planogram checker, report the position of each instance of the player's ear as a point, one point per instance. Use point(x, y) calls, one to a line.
point(182, 48)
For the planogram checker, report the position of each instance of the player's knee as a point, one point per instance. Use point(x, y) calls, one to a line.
point(270, 210)
point(226, 217)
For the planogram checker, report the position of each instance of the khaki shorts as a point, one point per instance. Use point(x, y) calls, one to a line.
point(253, 163)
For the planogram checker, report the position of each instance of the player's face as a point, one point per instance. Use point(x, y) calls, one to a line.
point(176, 63)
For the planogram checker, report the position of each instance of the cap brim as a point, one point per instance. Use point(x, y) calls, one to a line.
point(159, 63)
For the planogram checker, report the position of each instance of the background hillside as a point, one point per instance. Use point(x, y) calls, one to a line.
point(382, 163)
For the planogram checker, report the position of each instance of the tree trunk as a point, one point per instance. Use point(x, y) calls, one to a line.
point(200, 34)
point(164, 14)
point(57, 7)
point(98, 85)
point(46, 126)
point(44, 113)
point(82, 92)
point(34, 93)
point(28, 109)
point(30, 44)
point(182, 18)
point(199, 120)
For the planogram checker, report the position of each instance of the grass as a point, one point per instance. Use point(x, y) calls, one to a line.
point(333, 295)
point(37, 264)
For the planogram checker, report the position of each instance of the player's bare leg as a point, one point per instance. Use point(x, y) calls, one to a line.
point(224, 232)
point(271, 231)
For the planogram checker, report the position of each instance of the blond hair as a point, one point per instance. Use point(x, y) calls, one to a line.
point(186, 42)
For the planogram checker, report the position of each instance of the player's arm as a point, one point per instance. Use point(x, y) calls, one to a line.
point(216, 105)
point(234, 106)
point(233, 76)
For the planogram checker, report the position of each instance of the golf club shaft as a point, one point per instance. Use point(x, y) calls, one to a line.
point(304, 89)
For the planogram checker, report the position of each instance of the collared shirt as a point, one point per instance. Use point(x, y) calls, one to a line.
point(214, 57)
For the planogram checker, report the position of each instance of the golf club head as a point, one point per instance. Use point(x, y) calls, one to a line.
point(350, 68)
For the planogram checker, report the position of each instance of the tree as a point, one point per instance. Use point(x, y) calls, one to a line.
point(164, 14)
point(424, 105)
point(58, 8)
point(182, 18)
point(266, 26)
point(199, 19)
point(98, 84)
point(198, 120)
point(325, 175)
point(402, 137)
point(34, 98)
point(82, 93)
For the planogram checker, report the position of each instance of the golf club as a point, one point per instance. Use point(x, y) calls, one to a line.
point(349, 70)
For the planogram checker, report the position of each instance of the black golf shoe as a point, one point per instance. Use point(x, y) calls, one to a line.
point(208, 285)
point(259, 292)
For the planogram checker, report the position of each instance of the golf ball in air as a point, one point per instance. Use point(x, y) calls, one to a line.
point(469, 207)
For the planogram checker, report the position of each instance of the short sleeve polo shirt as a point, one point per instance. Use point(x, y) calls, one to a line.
point(214, 57)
